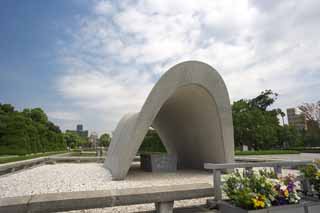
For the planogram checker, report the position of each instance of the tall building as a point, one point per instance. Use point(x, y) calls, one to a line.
point(79, 127)
point(297, 120)
point(79, 130)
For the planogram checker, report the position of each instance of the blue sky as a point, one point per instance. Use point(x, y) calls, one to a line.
point(90, 61)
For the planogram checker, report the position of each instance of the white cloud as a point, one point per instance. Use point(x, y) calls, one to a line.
point(62, 115)
point(123, 47)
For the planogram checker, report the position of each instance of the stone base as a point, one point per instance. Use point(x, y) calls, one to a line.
point(158, 162)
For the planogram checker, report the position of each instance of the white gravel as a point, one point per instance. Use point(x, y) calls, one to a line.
point(67, 177)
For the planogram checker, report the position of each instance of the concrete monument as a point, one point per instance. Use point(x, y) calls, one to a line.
point(190, 109)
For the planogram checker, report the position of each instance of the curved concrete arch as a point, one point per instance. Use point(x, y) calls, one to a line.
point(190, 109)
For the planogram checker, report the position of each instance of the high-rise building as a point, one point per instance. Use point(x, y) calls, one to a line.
point(297, 120)
point(79, 127)
point(79, 130)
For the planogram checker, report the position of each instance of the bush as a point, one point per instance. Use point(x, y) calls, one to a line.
point(152, 143)
point(267, 152)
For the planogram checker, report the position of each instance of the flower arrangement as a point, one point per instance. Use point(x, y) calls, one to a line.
point(257, 191)
point(311, 173)
point(286, 191)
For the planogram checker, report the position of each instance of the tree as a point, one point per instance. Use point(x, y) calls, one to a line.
point(152, 142)
point(290, 137)
point(27, 132)
point(312, 114)
point(254, 125)
point(311, 111)
point(105, 139)
point(264, 100)
point(73, 140)
point(38, 115)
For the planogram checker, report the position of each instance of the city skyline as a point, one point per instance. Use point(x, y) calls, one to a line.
point(90, 62)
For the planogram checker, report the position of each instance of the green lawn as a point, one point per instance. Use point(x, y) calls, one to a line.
point(267, 152)
point(8, 159)
point(85, 154)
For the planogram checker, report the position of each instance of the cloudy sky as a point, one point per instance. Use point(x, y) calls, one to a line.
point(90, 61)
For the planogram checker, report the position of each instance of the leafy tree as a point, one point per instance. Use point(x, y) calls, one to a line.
point(289, 137)
point(73, 140)
point(152, 142)
point(38, 115)
point(27, 132)
point(255, 125)
point(7, 108)
point(105, 139)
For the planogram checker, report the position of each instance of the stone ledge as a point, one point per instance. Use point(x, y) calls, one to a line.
point(67, 201)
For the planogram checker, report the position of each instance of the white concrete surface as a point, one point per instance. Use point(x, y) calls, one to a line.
point(190, 109)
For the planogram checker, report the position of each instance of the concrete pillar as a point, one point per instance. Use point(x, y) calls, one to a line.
point(164, 207)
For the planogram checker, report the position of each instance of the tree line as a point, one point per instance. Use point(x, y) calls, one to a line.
point(258, 127)
point(28, 131)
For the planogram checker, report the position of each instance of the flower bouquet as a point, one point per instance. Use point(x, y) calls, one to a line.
point(256, 191)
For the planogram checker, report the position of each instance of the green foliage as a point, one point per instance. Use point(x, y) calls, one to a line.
point(311, 173)
point(259, 128)
point(245, 191)
point(105, 139)
point(289, 137)
point(73, 139)
point(152, 143)
point(254, 126)
point(258, 191)
point(268, 173)
point(27, 132)
point(267, 152)
point(26, 157)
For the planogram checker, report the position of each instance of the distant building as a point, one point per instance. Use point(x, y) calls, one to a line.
point(296, 120)
point(79, 130)
point(93, 139)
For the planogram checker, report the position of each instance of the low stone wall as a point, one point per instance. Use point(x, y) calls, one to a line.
point(66, 201)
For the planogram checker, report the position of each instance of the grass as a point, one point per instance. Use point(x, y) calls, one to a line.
point(9, 159)
point(266, 152)
point(85, 154)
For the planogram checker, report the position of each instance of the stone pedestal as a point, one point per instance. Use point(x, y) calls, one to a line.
point(158, 162)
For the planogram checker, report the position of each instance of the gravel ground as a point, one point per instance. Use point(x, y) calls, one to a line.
point(67, 177)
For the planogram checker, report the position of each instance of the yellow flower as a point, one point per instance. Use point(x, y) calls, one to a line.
point(255, 203)
point(258, 203)
point(286, 193)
